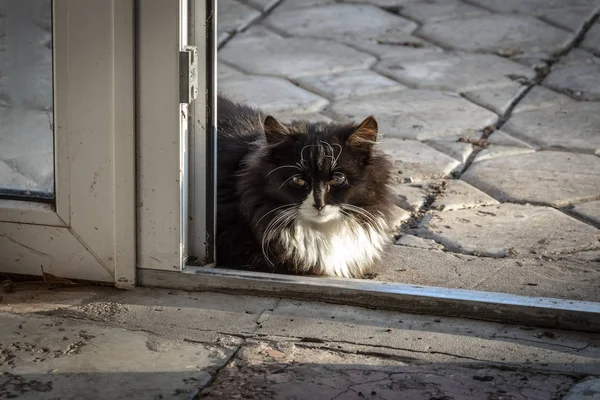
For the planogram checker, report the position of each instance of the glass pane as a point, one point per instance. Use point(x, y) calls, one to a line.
point(26, 102)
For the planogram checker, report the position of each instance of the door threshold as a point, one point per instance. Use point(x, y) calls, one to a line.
point(540, 312)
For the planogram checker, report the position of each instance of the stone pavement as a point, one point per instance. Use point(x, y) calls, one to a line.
point(490, 110)
point(97, 343)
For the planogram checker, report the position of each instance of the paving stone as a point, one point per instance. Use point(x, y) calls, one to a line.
point(416, 114)
point(262, 5)
point(341, 22)
point(533, 6)
point(272, 94)
point(497, 99)
point(234, 16)
point(571, 125)
point(35, 297)
point(410, 196)
point(226, 72)
point(545, 177)
point(46, 358)
point(379, 3)
point(415, 161)
point(458, 195)
point(590, 211)
point(499, 144)
point(577, 74)
point(293, 57)
point(497, 33)
point(399, 216)
point(510, 230)
point(418, 243)
point(292, 370)
point(521, 276)
point(349, 84)
point(592, 39)
point(433, 338)
point(588, 389)
point(541, 97)
point(500, 151)
point(257, 30)
point(295, 4)
point(291, 116)
point(458, 150)
point(569, 18)
point(440, 10)
point(177, 315)
point(500, 138)
point(454, 72)
point(396, 46)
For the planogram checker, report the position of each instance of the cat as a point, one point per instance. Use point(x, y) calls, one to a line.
point(299, 197)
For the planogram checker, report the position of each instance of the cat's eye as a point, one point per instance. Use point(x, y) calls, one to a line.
point(298, 181)
point(338, 179)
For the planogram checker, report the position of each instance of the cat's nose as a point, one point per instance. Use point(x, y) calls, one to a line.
point(319, 207)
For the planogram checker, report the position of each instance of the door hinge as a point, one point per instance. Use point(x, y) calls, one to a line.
point(188, 74)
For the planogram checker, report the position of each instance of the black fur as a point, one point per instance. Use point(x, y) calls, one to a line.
point(248, 186)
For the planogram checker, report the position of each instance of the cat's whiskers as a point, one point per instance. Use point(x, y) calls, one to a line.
point(273, 210)
point(289, 179)
point(273, 228)
point(283, 166)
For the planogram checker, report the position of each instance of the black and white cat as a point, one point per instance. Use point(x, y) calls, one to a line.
point(301, 198)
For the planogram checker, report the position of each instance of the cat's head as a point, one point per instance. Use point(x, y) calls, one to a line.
point(323, 172)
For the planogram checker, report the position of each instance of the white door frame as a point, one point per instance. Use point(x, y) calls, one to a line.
point(89, 233)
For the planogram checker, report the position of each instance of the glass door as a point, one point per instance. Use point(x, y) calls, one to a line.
point(67, 204)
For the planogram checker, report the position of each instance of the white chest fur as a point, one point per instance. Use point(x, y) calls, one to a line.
point(341, 247)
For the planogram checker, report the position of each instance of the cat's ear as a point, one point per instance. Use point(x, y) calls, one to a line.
point(274, 130)
point(365, 135)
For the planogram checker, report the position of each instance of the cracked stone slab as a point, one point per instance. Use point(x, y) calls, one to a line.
point(496, 99)
point(440, 10)
point(588, 389)
point(577, 75)
point(569, 18)
point(290, 116)
point(403, 334)
point(415, 161)
point(396, 46)
point(458, 150)
point(262, 5)
point(589, 211)
point(349, 84)
point(510, 230)
point(177, 315)
point(496, 33)
point(458, 195)
point(500, 144)
point(547, 177)
point(416, 114)
point(570, 125)
point(592, 39)
point(341, 22)
point(226, 72)
point(234, 16)
point(49, 358)
point(272, 95)
point(418, 243)
point(294, 370)
point(454, 72)
point(534, 7)
point(292, 57)
point(521, 276)
point(32, 298)
point(411, 196)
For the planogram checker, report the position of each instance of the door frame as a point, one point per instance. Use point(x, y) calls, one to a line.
point(89, 231)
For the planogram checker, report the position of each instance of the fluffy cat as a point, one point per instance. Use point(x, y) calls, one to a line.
point(300, 198)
